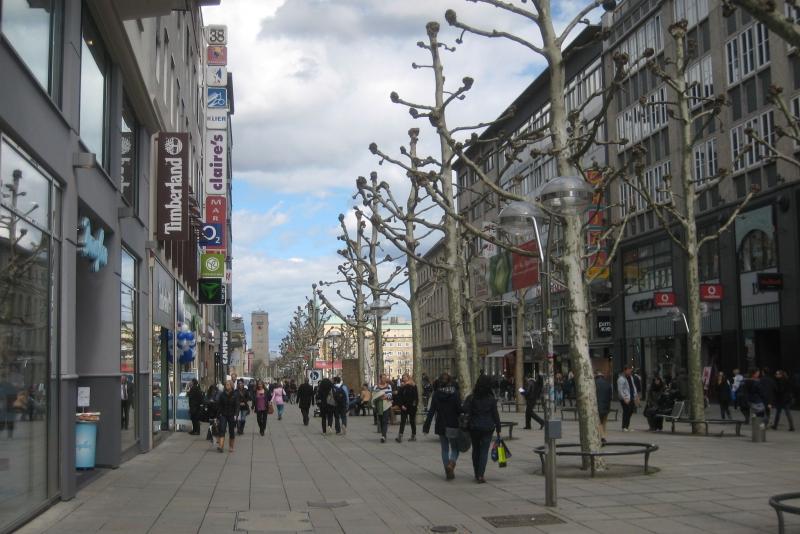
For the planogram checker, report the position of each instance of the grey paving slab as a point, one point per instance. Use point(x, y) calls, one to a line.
point(184, 485)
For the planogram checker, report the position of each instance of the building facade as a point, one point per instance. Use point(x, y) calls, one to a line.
point(97, 313)
point(438, 354)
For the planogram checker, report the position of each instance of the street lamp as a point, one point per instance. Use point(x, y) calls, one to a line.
point(379, 308)
point(333, 335)
point(561, 196)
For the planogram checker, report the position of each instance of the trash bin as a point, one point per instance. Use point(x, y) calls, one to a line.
point(758, 430)
point(86, 440)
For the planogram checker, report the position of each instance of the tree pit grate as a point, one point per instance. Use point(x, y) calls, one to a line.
point(522, 520)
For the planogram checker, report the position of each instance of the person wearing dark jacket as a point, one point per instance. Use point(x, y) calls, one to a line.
point(481, 407)
point(244, 406)
point(654, 394)
point(604, 392)
point(212, 412)
point(326, 408)
point(446, 406)
point(305, 396)
point(723, 390)
point(533, 392)
point(769, 388)
point(756, 398)
point(227, 407)
point(407, 400)
point(783, 399)
point(261, 399)
point(195, 396)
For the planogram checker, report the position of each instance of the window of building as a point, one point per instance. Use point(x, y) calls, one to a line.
point(129, 153)
point(693, 11)
point(757, 252)
point(648, 268)
point(705, 161)
point(700, 77)
point(747, 52)
point(33, 29)
point(127, 359)
point(94, 91)
point(747, 152)
point(708, 255)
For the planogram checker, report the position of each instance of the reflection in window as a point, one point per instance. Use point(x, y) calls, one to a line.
point(128, 155)
point(94, 68)
point(24, 189)
point(127, 364)
point(29, 28)
point(648, 268)
point(757, 252)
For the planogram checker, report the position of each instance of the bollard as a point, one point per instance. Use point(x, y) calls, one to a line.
point(758, 430)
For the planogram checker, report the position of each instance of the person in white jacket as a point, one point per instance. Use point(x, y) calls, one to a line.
point(628, 396)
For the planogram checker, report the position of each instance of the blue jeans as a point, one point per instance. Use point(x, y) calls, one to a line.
point(449, 450)
point(481, 441)
point(280, 410)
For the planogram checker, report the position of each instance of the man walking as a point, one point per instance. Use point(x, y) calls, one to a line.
point(305, 394)
point(126, 392)
point(195, 396)
point(326, 403)
point(628, 396)
point(604, 394)
point(533, 392)
point(341, 395)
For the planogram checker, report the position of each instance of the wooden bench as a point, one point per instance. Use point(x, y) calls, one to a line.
point(574, 411)
point(738, 423)
point(777, 502)
point(510, 425)
point(645, 449)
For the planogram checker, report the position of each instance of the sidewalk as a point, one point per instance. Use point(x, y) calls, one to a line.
point(295, 480)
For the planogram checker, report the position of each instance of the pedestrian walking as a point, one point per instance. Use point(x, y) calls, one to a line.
point(569, 387)
point(756, 398)
point(195, 396)
point(261, 400)
point(783, 399)
point(769, 388)
point(445, 405)
point(212, 412)
point(228, 406)
point(407, 398)
point(723, 390)
point(279, 399)
point(326, 403)
point(604, 392)
point(341, 395)
point(559, 389)
point(532, 394)
point(653, 401)
point(243, 399)
point(382, 398)
point(305, 397)
point(483, 419)
point(628, 396)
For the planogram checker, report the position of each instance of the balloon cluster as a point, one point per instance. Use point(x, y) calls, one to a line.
point(186, 344)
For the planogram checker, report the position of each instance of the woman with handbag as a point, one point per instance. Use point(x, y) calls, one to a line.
point(383, 404)
point(446, 406)
point(482, 419)
point(407, 400)
point(261, 405)
point(278, 399)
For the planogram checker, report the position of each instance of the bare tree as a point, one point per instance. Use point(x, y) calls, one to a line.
point(768, 13)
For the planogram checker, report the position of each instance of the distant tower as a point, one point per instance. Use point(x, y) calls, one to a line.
point(259, 328)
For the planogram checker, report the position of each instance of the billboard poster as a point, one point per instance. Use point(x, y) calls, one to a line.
point(217, 160)
point(172, 186)
point(500, 273)
point(596, 227)
point(525, 269)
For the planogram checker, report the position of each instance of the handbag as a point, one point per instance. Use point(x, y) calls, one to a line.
point(270, 408)
point(464, 442)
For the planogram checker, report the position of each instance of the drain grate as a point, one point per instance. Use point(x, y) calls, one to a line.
point(444, 528)
point(260, 521)
point(523, 520)
point(327, 504)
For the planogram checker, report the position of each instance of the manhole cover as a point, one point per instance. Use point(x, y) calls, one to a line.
point(444, 528)
point(255, 521)
point(523, 520)
point(329, 505)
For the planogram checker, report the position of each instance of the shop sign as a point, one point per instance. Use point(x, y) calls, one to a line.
point(751, 292)
point(216, 76)
point(172, 195)
point(127, 167)
point(216, 34)
point(211, 291)
point(643, 305)
point(216, 98)
point(770, 281)
point(217, 55)
point(711, 292)
point(225, 356)
point(525, 269)
point(216, 119)
point(322, 364)
point(488, 249)
point(217, 158)
point(216, 209)
point(91, 246)
point(478, 272)
point(211, 236)
point(212, 265)
point(663, 299)
point(604, 326)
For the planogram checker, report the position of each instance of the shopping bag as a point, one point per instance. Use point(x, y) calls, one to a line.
point(270, 408)
point(494, 452)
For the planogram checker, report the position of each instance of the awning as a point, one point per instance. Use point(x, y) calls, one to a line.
point(502, 353)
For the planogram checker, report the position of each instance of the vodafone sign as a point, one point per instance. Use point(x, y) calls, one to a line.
point(664, 299)
point(712, 292)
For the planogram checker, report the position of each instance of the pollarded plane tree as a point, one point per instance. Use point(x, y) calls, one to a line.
point(781, 18)
point(304, 333)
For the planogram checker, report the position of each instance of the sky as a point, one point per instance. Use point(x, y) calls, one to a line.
point(312, 80)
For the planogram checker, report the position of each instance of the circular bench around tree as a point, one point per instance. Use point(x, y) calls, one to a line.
point(777, 502)
point(631, 448)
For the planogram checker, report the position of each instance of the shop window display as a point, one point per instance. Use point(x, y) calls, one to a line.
point(127, 364)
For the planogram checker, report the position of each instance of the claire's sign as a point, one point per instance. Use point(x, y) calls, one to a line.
point(217, 159)
point(172, 193)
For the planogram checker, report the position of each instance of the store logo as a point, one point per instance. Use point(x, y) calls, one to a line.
point(173, 146)
point(91, 246)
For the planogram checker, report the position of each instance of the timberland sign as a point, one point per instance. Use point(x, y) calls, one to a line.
point(172, 194)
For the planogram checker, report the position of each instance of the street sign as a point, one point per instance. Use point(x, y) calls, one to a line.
point(217, 98)
point(216, 34)
point(216, 76)
point(313, 376)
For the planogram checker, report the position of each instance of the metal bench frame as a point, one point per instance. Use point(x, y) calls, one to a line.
point(637, 448)
point(776, 501)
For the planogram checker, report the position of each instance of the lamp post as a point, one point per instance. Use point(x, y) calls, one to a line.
point(562, 196)
point(379, 308)
point(333, 335)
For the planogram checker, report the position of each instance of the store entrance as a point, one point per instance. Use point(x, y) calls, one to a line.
point(163, 378)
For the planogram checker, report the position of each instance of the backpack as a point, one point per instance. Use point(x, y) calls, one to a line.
point(330, 400)
point(339, 397)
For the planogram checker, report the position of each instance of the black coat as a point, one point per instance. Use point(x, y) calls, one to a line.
point(604, 393)
point(195, 399)
point(323, 388)
point(305, 395)
point(407, 396)
point(533, 390)
point(769, 388)
point(446, 406)
point(483, 414)
point(723, 391)
point(228, 404)
point(783, 392)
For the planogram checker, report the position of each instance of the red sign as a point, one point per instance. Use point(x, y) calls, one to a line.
point(525, 269)
point(217, 55)
point(664, 299)
point(216, 209)
point(322, 364)
point(711, 292)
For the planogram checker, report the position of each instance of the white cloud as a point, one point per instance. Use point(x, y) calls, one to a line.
point(250, 226)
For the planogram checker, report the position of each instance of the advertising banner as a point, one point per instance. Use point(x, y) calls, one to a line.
point(525, 269)
point(172, 186)
point(212, 265)
point(217, 160)
point(322, 364)
point(500, 273)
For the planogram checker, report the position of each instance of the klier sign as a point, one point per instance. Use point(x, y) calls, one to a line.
point(172, 186)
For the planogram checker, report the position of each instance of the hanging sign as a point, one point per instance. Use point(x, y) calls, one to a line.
point(216, 34)
point(172, 191)
point(216, 76)
point(91, 246)
point(216, 98)
point(212, 265)
point(217, 119)
point(217, 159)
point(664, 299)
point(712, 292)
point(211, 291)
point(211, 236)
point(216, 209)
point(217, 55)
